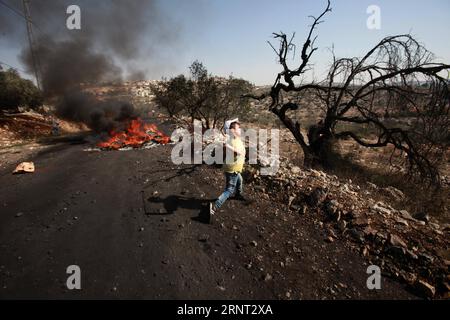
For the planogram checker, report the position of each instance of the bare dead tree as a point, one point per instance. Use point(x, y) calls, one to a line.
point(395, 89)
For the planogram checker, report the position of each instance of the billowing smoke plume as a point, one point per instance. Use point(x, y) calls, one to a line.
point(115, 36)
point(104, 115)
point(66, 65)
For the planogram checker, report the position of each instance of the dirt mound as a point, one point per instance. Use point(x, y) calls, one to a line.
point(19, 128)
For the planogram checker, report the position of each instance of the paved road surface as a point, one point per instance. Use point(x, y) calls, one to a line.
point(129, 220)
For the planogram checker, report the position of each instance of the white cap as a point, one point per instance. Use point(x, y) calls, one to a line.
point(228, 123)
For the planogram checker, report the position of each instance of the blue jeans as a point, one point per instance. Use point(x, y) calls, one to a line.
point(233, 183)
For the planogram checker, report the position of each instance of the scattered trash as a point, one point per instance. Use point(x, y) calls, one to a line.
point(92, 149)
point(125, 149)
point(24, 167)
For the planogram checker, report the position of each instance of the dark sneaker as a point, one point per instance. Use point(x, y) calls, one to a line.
point(212, 212)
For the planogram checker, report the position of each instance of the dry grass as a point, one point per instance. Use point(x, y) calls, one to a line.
point(362, 165)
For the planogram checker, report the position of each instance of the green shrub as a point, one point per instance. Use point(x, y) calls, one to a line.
point(204, 97)
point(18, 92)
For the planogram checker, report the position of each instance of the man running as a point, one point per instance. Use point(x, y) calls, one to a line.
point(232, 169)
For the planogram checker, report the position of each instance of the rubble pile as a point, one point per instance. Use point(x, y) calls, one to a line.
point(23, 127)
point(410, 247)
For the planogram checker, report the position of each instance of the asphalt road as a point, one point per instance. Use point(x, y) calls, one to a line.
point(87, 209)
point(130, 221)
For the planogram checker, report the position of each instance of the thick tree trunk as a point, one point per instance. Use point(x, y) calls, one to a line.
point(321, 151)
point(317, 150)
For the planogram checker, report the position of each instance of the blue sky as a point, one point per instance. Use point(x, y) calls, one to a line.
point(230, 36)
point(235, 32)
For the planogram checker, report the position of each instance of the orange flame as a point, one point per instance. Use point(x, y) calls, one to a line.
point(134, 136)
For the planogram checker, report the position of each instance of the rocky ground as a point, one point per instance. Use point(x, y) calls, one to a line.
point(414, 250)
point(133, 221)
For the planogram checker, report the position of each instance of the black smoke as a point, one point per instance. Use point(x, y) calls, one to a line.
point(66, 65)
point(115, 36)
point(100, 115)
